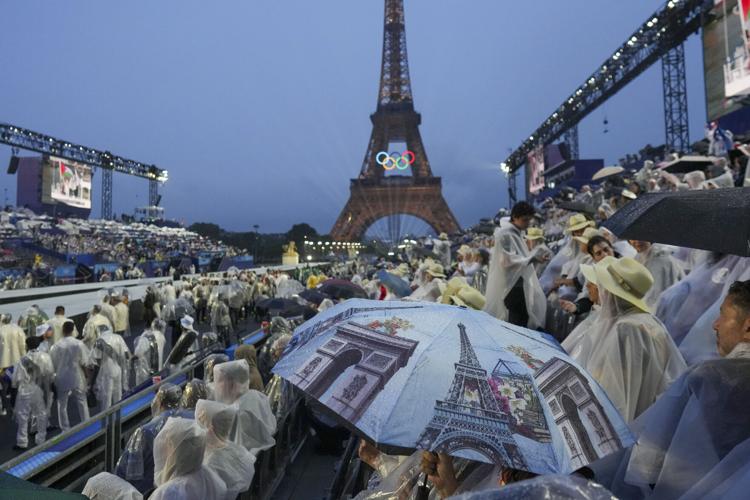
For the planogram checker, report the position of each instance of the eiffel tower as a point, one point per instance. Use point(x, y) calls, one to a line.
point(373, 195)
point(470, 417)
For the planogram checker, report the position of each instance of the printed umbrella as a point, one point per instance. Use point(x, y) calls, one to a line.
point(715, 219)
point(442, 378)
point(341, 289)
point(394, 283)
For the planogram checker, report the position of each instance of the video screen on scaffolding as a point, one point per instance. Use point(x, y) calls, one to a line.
point(66, 182)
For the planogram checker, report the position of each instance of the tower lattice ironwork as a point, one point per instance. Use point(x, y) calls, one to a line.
point(470, 416)
point(373, 195)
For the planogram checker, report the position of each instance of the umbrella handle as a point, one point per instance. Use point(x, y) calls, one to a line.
point(423, 491)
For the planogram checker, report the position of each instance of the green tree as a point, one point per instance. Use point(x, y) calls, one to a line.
point(207, 229)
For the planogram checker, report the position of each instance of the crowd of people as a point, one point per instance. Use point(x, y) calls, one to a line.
point(665, 332)
point(127, 244)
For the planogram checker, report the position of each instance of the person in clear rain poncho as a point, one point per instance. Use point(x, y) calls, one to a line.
point(230, 461)
point(136, 464)
point(631, 355)
point(95, 321)
point(513, 290)
point(255, 423)
point(12, 348)
point(694, 442)
point(179, 472)
point(106, 486)
point(70, 356)
point(112, 356)
point(148, 351)
point(208, 371)
point(32, 377)
point(664, 268)
point(700, 342)
point(194, 391)
point(442, 248)
point(682, 304)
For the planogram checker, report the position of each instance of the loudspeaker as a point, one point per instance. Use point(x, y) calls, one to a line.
point(13, 164)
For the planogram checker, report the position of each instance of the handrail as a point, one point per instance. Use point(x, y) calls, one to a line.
point(94, 420)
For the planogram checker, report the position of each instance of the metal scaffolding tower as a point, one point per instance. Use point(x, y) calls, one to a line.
point(106, 193)
point(674, 82)
point(18, 137)
point(664, 30)
point(571, 140)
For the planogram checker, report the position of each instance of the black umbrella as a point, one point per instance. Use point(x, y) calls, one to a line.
point(280, 307)
point(313, 296)
point(341, 289)
point(715, 219)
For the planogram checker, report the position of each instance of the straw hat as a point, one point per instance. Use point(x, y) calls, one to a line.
point(625, 278)
point(589, 271)
point(606, 172)
point(577, 222)
point(443, 236)
point(534, 233)
point(402, 270)
point(463, 250)
point(452, 287)
point(469, 297)
point(435, 270)
point(627, 193)
point(589, 233)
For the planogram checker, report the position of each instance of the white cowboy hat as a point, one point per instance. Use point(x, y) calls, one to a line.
point(627, 279)
point(443, 236)
point(589, 271)
point(607, 171)
point(588, 233)
point(469, 297)
point(577, 222)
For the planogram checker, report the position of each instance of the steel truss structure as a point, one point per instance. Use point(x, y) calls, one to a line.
point(18, 137)
point(665, 30)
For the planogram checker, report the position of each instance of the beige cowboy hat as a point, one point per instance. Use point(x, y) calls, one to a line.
point(443, 236)
point(452, 287)
point(589, 233)
point(577, 222)
point(463, 250)
point(627, 279)
point(589, 271)
point(435, 270)
point(627, 193)
point(534, 233)
point(469, 297)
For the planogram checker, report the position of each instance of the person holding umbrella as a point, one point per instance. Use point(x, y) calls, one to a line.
point(513, 290)
point(632, 356)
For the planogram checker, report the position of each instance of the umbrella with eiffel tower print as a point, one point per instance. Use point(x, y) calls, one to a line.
point(417, 375)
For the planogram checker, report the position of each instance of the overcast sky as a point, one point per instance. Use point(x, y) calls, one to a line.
point(260, 110)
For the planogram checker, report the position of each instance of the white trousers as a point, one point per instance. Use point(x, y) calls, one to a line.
point(26, 407)
point(79, 397)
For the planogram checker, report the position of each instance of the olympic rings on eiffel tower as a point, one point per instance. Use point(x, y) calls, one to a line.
point(395, 160)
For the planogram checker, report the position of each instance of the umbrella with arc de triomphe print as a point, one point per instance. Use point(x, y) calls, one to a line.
point(416, 375)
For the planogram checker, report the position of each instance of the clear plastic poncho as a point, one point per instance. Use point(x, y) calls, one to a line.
point(552, 486)
point(148, 353)
point(230, 461)
point(511, 261)
point(12, 344)
point(112, 355)
point(568, 251)
point(700, 342)
point(106, 486)
point(179, 472)
point(664, 268)
point(69, 356)
point(632, 356)
point(687, 434)
point(93, 326)
point(684, 302)
point(289, 288)
point(579, 342)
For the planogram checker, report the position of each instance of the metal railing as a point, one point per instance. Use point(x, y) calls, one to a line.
point(67, 461)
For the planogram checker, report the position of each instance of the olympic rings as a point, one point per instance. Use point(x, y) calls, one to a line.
point(395, 160)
